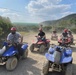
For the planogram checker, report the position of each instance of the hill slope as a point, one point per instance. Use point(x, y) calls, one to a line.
point(68, 20)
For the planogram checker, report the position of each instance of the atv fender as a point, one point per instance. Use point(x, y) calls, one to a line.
point(10, 52)
point(63, 60)
point(24, 47)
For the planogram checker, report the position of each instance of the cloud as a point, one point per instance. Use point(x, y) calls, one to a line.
point(13, 16)
point(4, 10)
point(47, 9)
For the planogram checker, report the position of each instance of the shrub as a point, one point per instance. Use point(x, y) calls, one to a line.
point(73, 30)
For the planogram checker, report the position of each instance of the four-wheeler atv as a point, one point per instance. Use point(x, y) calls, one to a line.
point(64, 41)
point(41, 44)
point(9, 55)
point(59, 59)
point(54, 36)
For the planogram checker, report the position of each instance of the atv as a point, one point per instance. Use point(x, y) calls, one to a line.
point(58, 59)
point(54, 36)
point(64, 41)
point(9, 55)
point(40, 44)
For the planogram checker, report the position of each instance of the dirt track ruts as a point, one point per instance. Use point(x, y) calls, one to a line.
point(33, 64)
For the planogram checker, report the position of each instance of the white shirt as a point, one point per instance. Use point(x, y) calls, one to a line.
point(14, 37)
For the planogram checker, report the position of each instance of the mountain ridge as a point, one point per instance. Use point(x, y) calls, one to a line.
point(69, 19)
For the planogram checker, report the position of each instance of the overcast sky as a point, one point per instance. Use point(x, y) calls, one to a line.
point(36, 10)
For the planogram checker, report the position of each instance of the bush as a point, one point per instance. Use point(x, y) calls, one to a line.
point(60, 28)
point(47, 28)
point(73, 30)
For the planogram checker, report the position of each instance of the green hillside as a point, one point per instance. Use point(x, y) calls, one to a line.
point(68, 20)
point(65, 22)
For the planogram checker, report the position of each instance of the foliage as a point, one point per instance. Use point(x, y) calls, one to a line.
point(47, 28)
point(73, 30)
point(5, 25)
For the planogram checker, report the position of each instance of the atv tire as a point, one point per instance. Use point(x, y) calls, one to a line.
point(25, 54)
point(48, 45)
point(68, 69)
point(32, 48)
point(45, 69)
point(42, 48)
point(11, 63)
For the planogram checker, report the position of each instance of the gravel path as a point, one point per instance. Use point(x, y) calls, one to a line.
point(33, 64)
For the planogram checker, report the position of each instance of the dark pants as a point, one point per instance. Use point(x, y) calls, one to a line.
point(18, 46)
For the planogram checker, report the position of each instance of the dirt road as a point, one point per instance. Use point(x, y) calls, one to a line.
point(33, 64)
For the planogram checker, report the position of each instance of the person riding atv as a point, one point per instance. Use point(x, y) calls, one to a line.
point(13, 38)
point(41, 35)
point(13, 50)
point(54, 35)
point(70, 35)
point(64, 33)
point(42, 43)
point(64, 38)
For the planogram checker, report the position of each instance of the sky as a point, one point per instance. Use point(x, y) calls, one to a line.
point(36, 11)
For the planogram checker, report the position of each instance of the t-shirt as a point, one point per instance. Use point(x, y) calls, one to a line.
point(65, 34)
point(14, 37)
point(41, 34)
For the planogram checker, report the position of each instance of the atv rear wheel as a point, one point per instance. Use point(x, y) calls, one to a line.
point(42, 48)
point(32, 48)
point(45, 69)
point(11, 63)
point(68, 69)
point(25, 54)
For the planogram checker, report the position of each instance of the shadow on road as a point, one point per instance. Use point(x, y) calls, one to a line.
point(55, 73)
point(74, 69)
point(38, 52)
point(25, 67)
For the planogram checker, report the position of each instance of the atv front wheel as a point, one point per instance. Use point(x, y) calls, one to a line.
point(32, 48)
point(11, 63)
point(45, 69)
point(68, 69)
point(42, 48)
point(25, 54)
point(48, 45)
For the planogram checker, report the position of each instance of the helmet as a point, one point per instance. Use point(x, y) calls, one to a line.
point(13, 29)
point(65, 30)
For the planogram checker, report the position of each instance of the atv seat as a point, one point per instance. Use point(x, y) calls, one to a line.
point(2, 50)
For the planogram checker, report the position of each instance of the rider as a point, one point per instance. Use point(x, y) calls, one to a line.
point(70, 35)
point(41, 35)
point(69, 32)
point(65, 33)
point(54, 34)
point(14, 37)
